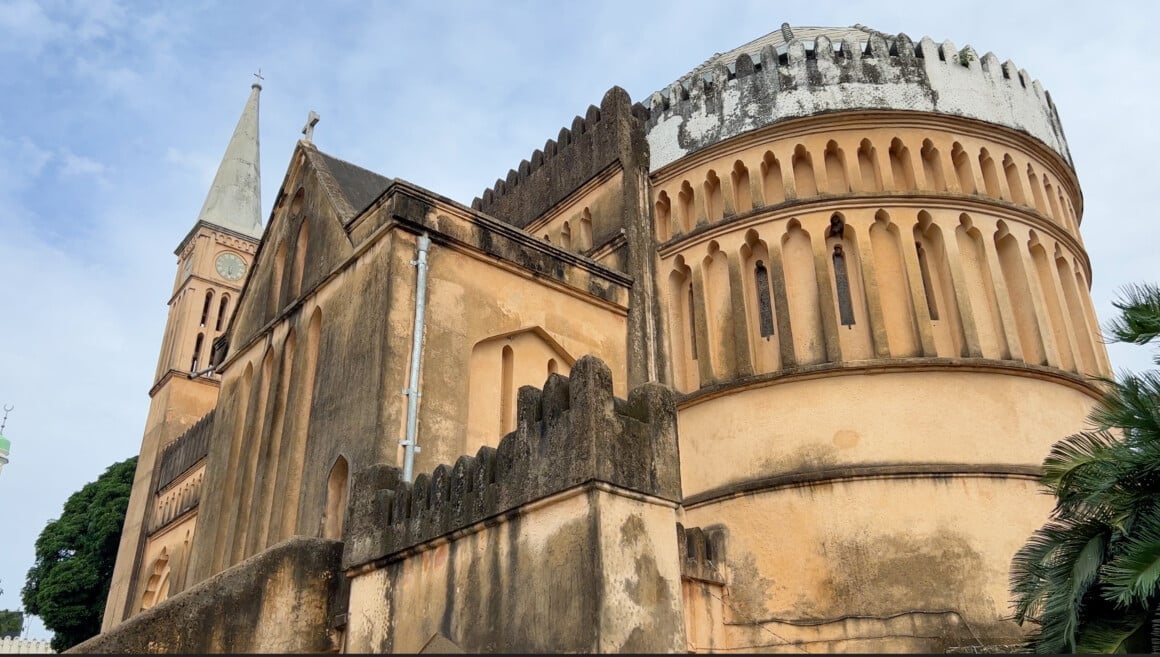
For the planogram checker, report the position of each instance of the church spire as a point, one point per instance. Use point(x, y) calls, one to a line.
point(234, 200)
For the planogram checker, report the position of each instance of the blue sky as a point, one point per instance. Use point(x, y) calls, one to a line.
point(114, 115)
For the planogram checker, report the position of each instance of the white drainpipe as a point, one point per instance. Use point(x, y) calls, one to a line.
point(412, 391)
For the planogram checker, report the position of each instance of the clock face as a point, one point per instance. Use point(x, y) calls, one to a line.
point(230, 266)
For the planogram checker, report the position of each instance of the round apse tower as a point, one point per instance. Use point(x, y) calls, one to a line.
point(878, 314)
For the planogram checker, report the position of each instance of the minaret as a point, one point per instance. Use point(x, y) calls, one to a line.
point(212, 262)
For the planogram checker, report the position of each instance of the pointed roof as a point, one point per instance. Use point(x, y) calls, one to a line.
point(234, 200)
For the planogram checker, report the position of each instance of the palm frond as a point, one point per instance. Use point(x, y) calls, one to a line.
point(1132, 576)
point(1130, 406)
point(1073, 457)
point(1139, 320)
point(1053, 573)
point(1155, 622)
point(1126, 631)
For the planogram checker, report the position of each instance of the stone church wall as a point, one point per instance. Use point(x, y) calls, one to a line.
point(503, 548)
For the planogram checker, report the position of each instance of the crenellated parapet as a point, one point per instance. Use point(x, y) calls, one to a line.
point(184, 452)
point(809, 77)
point(579, 153)
point(571, 433)
point(702, 553)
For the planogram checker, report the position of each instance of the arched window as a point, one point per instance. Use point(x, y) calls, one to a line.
point(223, 307)
point(206, 306)
point(764, 303)
point(507, 392)
point(336, 493)
point(692, 325)
point(842, 284)
point(196, 352)
point(552, 366)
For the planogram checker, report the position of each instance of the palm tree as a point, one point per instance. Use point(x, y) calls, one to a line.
point(1089, 579)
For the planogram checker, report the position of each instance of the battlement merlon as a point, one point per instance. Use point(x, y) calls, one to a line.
point(613, 132)
point(811, 77)
point(571, 433)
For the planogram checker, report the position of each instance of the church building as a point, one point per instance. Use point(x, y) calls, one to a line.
point(767, 362)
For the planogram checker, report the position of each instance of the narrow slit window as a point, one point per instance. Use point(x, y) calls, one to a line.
point(692, 326)
point(196, 352)
point(764, 303)
point(927, 284)
point(842, 283)
point(205, 307)
point(222, 308)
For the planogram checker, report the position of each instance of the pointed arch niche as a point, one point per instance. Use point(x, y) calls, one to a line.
point(938, 288)
point(664, 218)
point(337, 490)
point(893, 287)
point(977, 277)
point(801, 283)
point(682, 327)
point(718, 312)
point(772, 183)
point(837, 182)
point(742, 193)
point(1052, 298)
point(498, 367)
point(714, 199)
point(871, 176)
point(1084, 334)
point(849, 291)
point(760, 308)
point(1019, 295)
point(301, 244)
point(803, 173)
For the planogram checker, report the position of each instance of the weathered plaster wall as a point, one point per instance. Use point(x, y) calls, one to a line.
point(528, 584)
point(951, 417)
point(561, 539)
point(880, 564)
point(281, 601)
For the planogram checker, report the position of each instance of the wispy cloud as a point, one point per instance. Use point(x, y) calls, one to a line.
point(140, 99)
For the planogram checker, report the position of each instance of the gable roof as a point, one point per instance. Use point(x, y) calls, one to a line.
point(358, 186)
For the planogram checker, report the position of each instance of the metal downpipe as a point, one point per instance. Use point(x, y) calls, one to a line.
point(412, 391)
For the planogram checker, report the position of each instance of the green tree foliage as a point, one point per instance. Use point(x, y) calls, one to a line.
point(1089, 580)
point(75, 553)
point(11, 623)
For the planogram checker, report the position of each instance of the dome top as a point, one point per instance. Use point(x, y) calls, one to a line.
point(5, 444)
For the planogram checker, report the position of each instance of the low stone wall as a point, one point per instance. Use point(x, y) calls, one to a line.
point(17, 646)
point(282, 600)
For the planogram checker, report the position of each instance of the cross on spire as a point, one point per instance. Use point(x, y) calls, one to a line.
point(258, 79)
point(311, 121)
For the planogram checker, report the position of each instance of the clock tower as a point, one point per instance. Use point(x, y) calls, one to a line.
point(213, 260)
